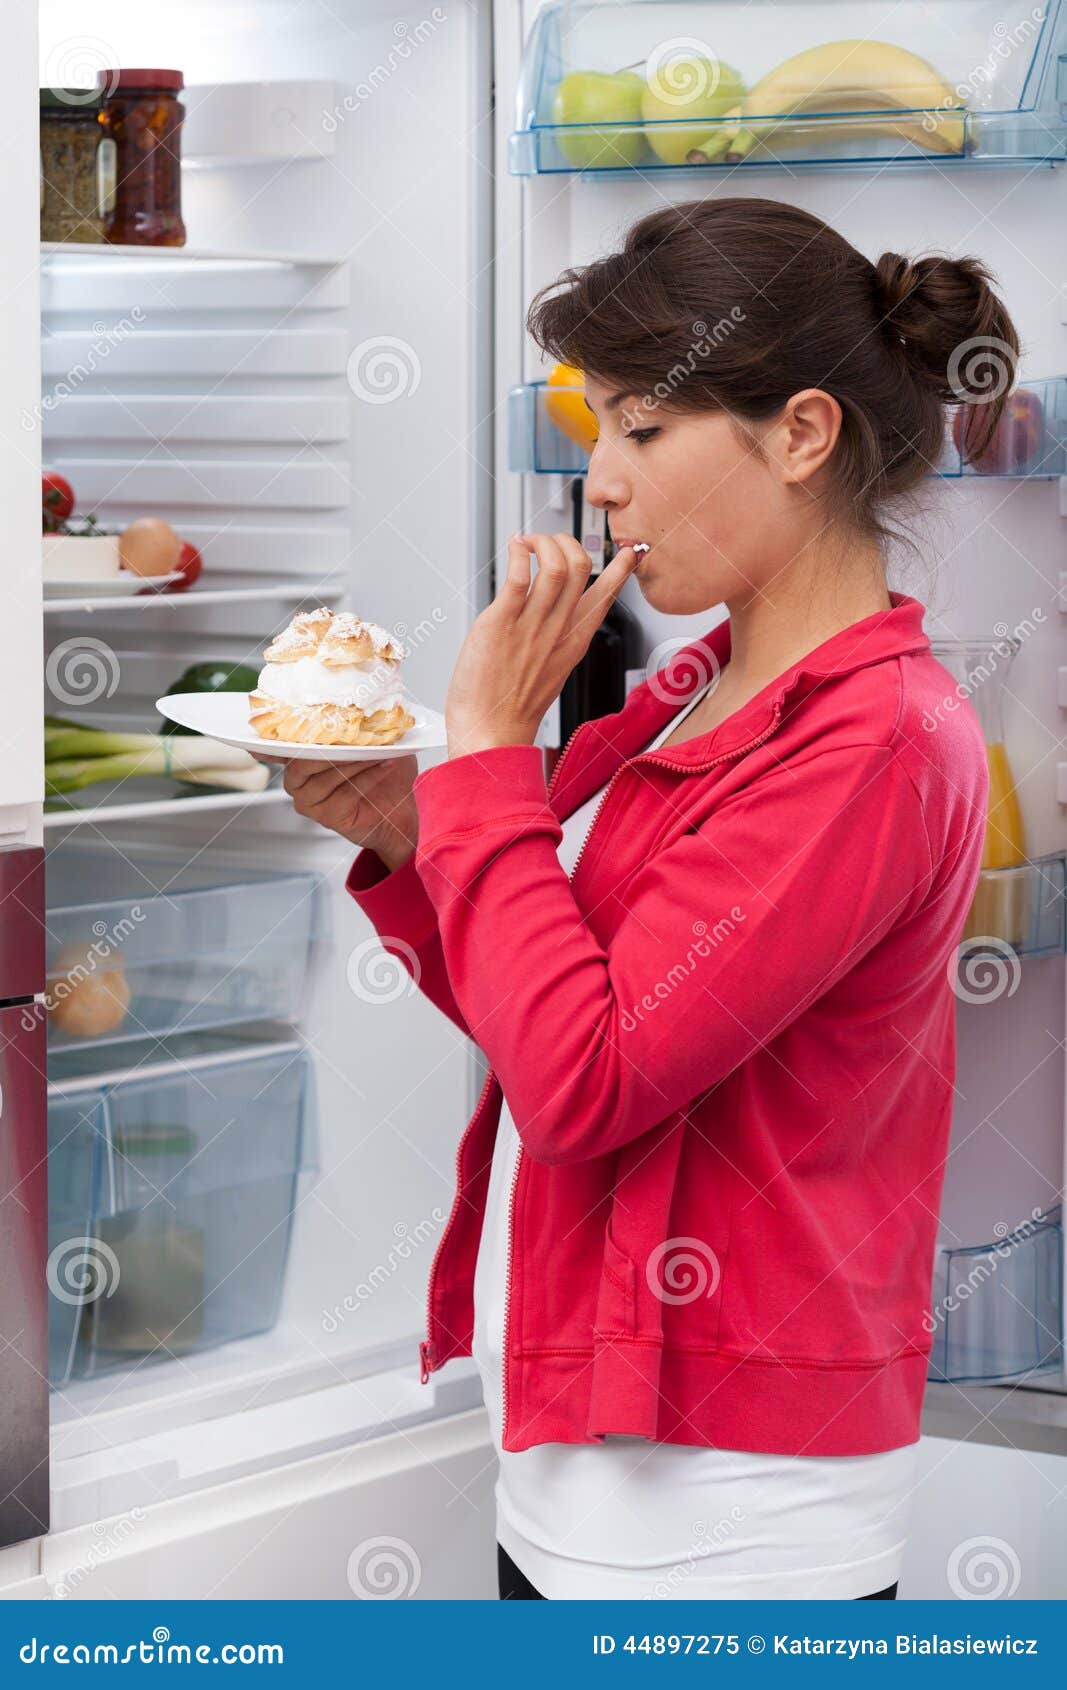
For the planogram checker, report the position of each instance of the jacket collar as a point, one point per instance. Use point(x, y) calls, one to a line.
point(877, 638)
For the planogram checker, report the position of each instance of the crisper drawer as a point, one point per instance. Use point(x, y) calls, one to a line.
point(147, 941)
point(998, 1308)
point(174, 1187)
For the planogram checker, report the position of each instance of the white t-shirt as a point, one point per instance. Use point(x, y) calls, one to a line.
point(630, 1518)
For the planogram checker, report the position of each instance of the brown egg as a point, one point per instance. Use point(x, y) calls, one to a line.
point(84, 999)
point(149, 546)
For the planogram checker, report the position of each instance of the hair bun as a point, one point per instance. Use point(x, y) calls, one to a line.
point(945, 311)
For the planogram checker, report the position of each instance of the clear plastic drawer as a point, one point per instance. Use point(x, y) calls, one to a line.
point(150, 942)
point(184, 1211)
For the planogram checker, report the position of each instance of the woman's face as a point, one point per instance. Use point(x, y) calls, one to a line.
point(721, 522)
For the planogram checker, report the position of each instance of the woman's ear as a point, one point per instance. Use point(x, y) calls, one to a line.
point(801, 441)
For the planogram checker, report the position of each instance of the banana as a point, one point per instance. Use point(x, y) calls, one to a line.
point(869, 77)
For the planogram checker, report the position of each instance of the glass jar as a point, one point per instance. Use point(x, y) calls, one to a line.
point(75, 178)
point(143, 116)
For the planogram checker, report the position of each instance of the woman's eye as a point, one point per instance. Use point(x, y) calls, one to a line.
point(641, 435)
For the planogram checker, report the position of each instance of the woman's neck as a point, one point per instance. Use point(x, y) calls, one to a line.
point(771, 629)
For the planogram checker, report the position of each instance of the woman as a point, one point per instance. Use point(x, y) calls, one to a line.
point(699, 1193)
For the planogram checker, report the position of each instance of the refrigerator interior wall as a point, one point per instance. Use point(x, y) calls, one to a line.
point(388, 487)
point(990, 557)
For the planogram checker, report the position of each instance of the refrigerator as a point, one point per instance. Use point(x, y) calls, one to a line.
point(252, 1116)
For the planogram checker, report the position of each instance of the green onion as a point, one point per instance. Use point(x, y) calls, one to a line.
point(77, 757)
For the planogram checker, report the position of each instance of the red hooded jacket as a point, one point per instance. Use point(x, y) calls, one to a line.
point(727, 1043)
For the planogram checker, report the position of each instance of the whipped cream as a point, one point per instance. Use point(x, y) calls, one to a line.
point(372, 685)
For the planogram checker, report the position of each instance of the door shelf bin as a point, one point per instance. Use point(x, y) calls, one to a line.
point(1024, 908)
point(177, 1225)
point(147, 941)
point(989, 87)
point(1030, 442)
point(536, 445)
point(998, 1308)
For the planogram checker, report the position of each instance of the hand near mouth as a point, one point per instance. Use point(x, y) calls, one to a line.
point(522, 647)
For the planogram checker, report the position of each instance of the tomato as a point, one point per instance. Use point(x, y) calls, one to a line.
point(190, 563)
point(57, 499)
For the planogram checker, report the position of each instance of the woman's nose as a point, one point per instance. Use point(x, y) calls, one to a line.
point(605, 485)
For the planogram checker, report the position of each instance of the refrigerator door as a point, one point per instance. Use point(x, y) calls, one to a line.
point(23, 1202)
point(23, 1301)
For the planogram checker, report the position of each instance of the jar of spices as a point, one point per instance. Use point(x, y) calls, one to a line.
point(77, 170)
point(143, 116)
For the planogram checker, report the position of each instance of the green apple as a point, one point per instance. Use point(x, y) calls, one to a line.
point(676, 89)
point(593, 96)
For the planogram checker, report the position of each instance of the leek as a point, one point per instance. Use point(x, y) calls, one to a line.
point(77, 757)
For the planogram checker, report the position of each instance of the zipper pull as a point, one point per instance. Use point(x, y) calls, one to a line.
point(427, 1359)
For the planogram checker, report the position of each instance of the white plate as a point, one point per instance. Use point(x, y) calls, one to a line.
point(99, 587)
point(224, 715)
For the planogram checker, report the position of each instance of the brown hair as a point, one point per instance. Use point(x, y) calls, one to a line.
point(735, 304)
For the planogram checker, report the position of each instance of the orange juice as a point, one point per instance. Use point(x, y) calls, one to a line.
point(1001, 901)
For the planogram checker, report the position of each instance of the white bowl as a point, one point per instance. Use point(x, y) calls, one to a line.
point(80, 557)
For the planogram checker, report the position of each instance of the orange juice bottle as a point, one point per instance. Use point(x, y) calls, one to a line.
point(1001, 906)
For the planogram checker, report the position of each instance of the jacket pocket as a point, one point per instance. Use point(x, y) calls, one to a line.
point(616, 1308)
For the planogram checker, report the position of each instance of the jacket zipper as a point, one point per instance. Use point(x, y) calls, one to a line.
point(642, 757)
point(428, 1349)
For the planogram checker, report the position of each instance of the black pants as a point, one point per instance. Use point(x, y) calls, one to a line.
point(515, 1586)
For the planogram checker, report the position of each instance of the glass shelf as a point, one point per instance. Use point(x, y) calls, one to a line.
point(997, 1308)
point(1030, 442)
point(1023, 908)
point(608, 85)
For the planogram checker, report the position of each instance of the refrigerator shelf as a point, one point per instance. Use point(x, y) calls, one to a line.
point(1030, 442)
point(174, 1186)
point(1021, 909)
point(997, 1308)
point(152, 809)
point(617, 86)
point(96, 251)
point(266, 589)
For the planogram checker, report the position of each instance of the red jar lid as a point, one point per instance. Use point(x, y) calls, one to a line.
point(113, 79)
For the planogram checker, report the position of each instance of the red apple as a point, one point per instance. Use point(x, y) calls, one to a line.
point(1017, 438)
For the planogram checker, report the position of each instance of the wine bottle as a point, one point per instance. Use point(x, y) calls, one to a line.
point(598, 684)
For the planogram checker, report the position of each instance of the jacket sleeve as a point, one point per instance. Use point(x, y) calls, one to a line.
point(728, 934)
point(396, 903)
